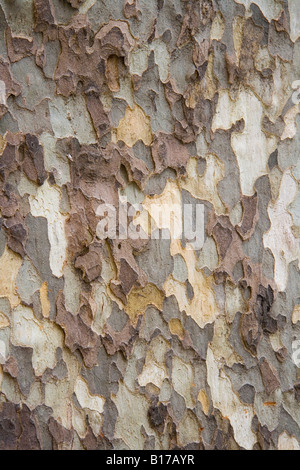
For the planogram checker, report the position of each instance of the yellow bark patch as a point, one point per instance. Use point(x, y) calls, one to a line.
point(2, 144)
point(134, 126)
point(176, 327)
point(46, 307)
point(296, 314)
point(10, 264)
point(4, 322)
point(203, 307)
point(203, 398)
point(140, 298)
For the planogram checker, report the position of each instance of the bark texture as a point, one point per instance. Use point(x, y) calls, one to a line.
point(149, 344)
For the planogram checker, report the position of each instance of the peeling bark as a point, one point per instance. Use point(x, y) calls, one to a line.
point(149, 342)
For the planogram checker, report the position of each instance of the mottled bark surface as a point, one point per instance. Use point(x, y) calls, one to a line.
point(129, 343)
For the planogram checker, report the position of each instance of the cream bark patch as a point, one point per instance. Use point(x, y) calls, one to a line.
point(280, 238)
point(225, 399)
point(203, 306)
point(46, 204)
point(42, 336)
point(252, 146)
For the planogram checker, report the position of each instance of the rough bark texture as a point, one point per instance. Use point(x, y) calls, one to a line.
point(149, 344)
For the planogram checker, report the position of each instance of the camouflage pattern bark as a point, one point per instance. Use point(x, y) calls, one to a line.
point(148, 344)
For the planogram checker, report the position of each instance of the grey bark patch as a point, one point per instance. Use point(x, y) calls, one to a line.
point(156, 261)
point(118, 318)
point(26, 375)
point(247, 393)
